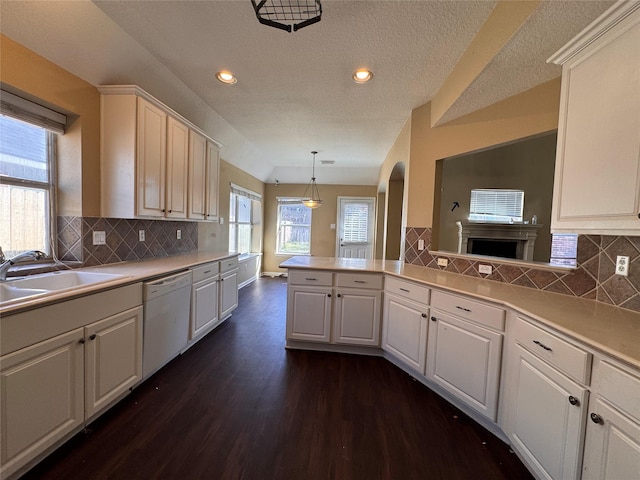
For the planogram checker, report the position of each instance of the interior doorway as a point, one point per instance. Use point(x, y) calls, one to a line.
point(395, 196)
point(356, 227)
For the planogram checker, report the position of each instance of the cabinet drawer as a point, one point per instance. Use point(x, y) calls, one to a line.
point(208, 270)
point(359, 280)
point(488, 315)
point(619, 387)
point(228, 264)
point(412, 291)
point(310, 277)
point(569, 358)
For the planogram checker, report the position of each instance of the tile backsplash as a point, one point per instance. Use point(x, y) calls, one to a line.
point(593, 279)
point(75, 239)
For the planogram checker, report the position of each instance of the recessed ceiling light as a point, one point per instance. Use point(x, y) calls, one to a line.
point(226, 77)
point(362, 75)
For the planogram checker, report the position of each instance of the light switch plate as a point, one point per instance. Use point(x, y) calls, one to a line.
point(141, 235)
point(99, 237)
point(487, 269)
point(443, 262)
point(178, 234)
point(421, 244)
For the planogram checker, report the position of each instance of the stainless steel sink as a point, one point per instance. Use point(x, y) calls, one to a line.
point(35, 285)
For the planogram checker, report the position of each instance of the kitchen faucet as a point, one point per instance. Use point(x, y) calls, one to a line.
point(7, 264)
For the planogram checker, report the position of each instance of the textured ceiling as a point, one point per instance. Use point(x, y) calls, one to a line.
point(294, 92)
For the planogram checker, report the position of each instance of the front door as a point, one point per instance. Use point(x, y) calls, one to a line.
point(356, 221)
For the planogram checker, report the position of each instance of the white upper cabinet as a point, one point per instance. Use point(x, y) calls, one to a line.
point(597, 177)
point(212, 183)
point(154, 163)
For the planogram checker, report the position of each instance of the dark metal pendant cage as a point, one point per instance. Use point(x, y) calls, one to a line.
point(289, 15)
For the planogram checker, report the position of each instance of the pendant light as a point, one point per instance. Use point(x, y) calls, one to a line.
point(314, 200)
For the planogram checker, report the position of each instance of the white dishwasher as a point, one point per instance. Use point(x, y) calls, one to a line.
point(167, 303)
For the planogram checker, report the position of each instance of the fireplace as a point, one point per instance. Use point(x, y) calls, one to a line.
point(507, 240)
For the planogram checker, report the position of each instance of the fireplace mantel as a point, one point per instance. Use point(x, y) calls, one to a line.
point(524, 235)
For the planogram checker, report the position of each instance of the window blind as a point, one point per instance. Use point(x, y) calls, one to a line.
point(27, 111)
point(496, 205)
point(356, 222)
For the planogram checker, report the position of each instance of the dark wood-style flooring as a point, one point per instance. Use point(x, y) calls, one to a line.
point(239, 406)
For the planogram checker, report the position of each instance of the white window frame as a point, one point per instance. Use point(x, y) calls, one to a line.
point(496, 205)
point(254, 221)
point(20, 112)
point(287, 201)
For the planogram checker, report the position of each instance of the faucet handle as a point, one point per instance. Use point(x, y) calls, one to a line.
point(2, 259)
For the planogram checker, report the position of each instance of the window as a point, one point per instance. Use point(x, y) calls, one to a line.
point(294, 227)
point(496, 205)
point(26, 187)
point(245, 213)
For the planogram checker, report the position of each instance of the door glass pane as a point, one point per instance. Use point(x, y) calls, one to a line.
point(356, 222)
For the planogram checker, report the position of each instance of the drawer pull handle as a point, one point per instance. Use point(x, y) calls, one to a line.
point(574, 401)
point(540, 344)
point(434, 319)
point(310, 279)
point(595, 418)
point(207, 271)
point(463, 309)
point(405, 290)
point(359, 281)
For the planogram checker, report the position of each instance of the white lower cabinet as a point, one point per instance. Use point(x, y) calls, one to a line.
point(464, 350)
point(344, 310)
point(612, 446)
point(228, 293)
point(51, 388)
point(405, 322)
point(309, 314)
point(546, 401)
point(204, 300)
point(42, 388)
point(113, 359)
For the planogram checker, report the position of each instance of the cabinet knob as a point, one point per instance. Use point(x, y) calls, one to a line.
point(329, 295)
point(573, 400)
point(92, 336)
point(595, 418)
point(434, 319)
point(81, 340)
point(339, 295)
point(639, 215)
point(424, 315)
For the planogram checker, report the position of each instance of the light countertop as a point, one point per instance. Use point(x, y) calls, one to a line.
point(136, 271)
point(608, 329)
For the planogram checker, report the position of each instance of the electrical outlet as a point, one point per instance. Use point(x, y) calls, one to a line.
point(622, 265)
point(420, 244)
point(141, 235)
point(221, 220)
point(178, 234)
point(99, 237)
point(485, 269)
point(443, 262)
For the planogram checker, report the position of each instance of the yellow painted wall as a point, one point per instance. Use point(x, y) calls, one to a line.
point(215, 236)
point(529, 113)
point(323, 238)
point(24, 72)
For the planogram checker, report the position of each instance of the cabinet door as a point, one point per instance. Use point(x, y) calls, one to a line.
point(404, 334)
point(42, 401)
point(204, 307)
point(151, 159)
point(357, 317)
point(177, 169)
point(612, 447)
point(213, 178)
point(546, 417)
point(597, 181)
point(197, 175)
point(309, 313)
point(113, 358)
point(228, 293)
point(464, 359)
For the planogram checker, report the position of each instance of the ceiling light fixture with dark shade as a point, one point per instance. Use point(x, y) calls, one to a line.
point(314, 200)
point(289, 15)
